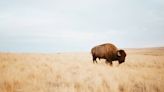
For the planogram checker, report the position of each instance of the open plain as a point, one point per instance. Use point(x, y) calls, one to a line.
point(143, 71)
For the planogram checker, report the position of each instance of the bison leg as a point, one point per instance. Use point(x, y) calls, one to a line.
point(108, 61)
point(94, 59)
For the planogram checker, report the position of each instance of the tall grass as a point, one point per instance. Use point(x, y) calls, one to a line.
point(143, 71)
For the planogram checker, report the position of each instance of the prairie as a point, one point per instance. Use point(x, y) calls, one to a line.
point(143, 71)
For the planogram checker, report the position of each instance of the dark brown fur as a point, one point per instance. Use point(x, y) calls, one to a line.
point(109, 52)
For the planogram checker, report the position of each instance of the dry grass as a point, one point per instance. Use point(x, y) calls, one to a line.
point(143, 71)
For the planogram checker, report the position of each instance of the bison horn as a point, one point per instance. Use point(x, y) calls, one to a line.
point(118, 53)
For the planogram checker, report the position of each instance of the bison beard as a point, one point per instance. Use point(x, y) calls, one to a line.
point(109, 52)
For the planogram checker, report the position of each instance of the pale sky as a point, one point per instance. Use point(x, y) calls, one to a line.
point(78, 25)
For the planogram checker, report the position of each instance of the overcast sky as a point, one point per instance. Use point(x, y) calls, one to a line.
point(78, 25)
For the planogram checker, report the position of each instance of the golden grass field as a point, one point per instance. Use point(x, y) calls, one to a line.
point(143, 71)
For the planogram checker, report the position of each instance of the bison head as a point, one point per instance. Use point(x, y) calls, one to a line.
point(121, 56)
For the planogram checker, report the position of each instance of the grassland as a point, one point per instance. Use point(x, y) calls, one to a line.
point(143, 71)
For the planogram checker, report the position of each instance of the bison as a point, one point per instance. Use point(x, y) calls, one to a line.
point(109, 52)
